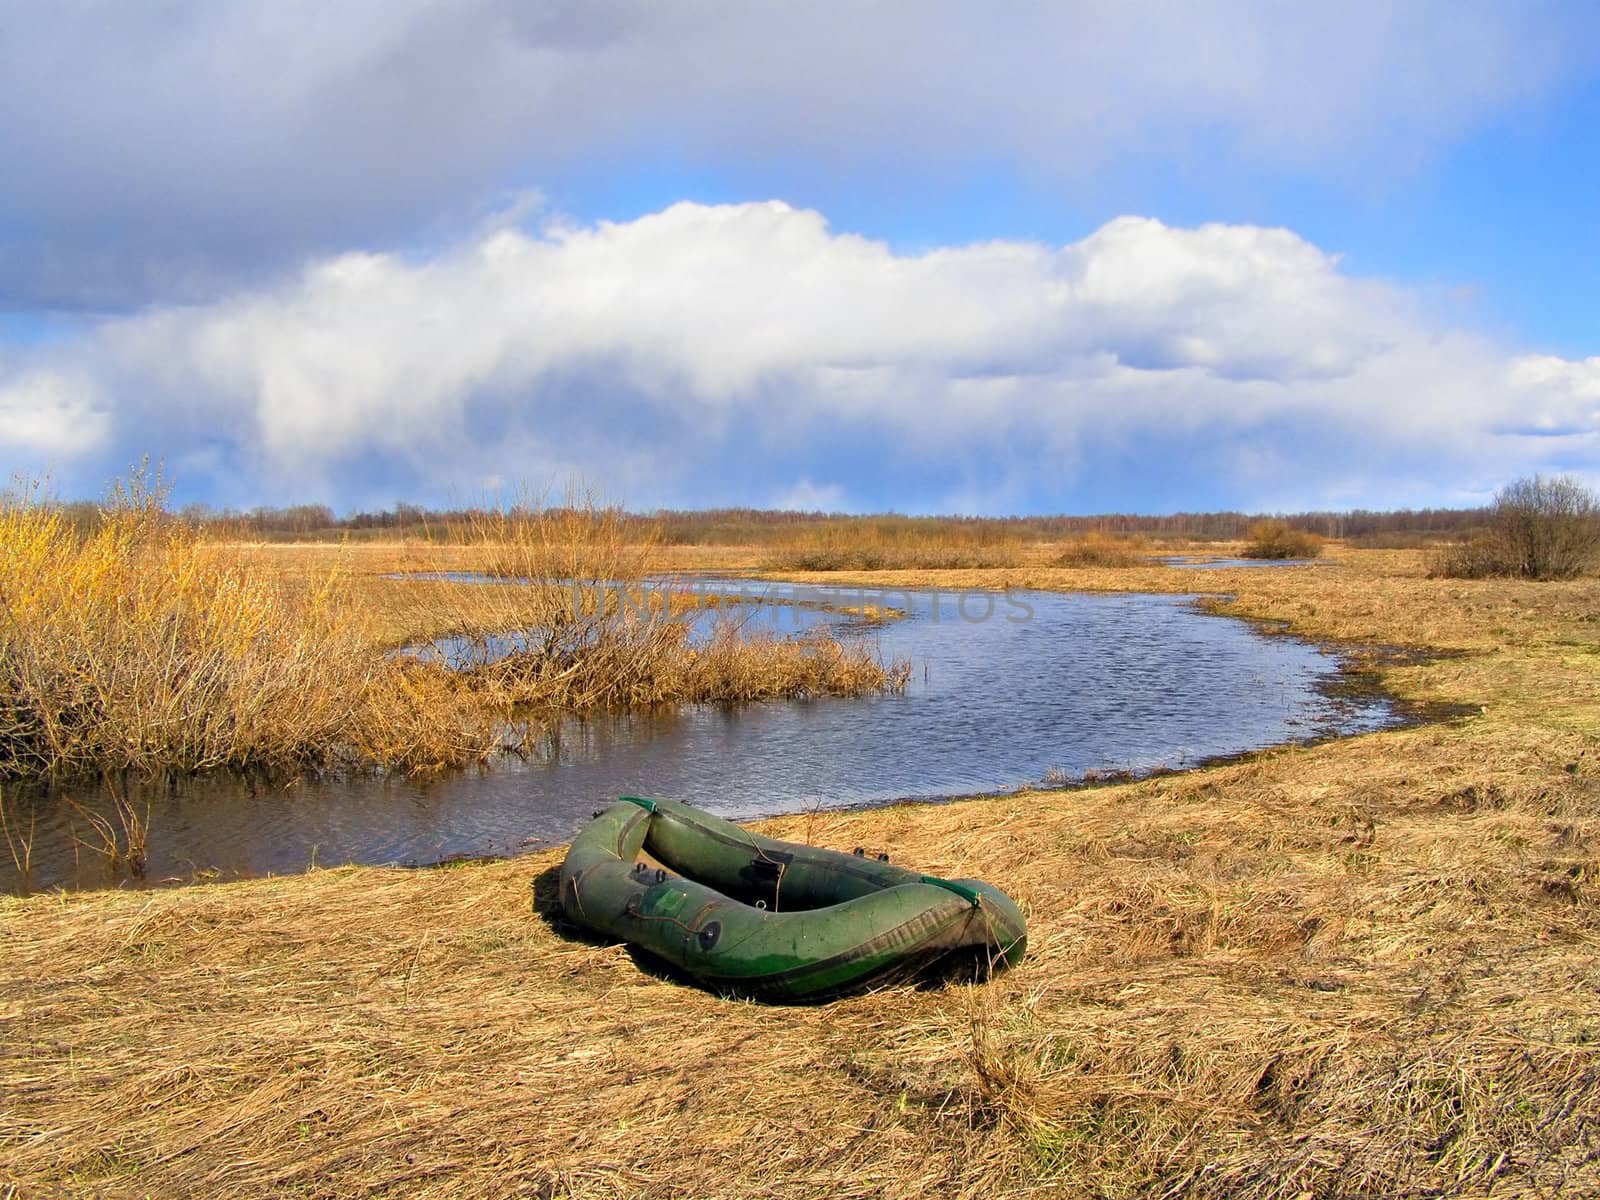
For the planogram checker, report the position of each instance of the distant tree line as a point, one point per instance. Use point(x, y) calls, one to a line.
point(311, 522)
point(1540, 527)
point(740, 525)
point(319, 522)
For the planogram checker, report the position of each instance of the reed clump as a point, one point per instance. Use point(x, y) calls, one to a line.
point(132, 642)
point(895, 544)
point(1096, 549)
point(642, 662)
point(138, 645)
point(1278, 540)
point(735, 665)
point(580, 625)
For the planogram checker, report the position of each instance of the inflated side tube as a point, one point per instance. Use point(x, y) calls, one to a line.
point(780, 921)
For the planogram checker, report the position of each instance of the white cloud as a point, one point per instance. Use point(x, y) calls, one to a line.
point(1562, 398)
point(51, 414)
point(737, 353)
point(806, 496)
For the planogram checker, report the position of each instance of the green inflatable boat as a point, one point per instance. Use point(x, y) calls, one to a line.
point(779, 921)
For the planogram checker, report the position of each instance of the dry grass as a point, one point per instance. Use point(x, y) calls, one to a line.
point(138, 644)
point(597, 637)
point(1367, 968)
point(1239, 984)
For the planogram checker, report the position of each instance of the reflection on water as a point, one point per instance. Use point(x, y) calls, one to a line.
point(1007, 689)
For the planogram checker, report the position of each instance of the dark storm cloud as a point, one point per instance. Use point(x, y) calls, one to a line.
point(170, 151)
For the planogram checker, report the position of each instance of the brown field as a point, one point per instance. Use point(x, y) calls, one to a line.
point(1370, 967)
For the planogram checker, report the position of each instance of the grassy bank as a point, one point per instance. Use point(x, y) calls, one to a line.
point(1368, 967)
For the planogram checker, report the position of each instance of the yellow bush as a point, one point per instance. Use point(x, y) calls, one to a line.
point(1279, 539)
point(137, 644)
point(1096, 549)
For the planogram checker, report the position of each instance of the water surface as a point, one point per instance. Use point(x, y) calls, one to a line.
point(1008, 690)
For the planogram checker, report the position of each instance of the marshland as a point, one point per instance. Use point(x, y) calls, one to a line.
point(1341, 965)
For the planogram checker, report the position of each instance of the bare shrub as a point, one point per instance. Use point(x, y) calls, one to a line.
point(589, 631)
point(1550, 525)
point(1540, 527)
point(1481, 556)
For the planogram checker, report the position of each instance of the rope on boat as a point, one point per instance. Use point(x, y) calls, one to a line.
point(763, 856)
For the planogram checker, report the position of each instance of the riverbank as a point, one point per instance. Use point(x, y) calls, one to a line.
point(1368, 966)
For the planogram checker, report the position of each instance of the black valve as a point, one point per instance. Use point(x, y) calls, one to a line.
point(709, 933)
point(884, 857)
point(661, 875)
point(860, 853)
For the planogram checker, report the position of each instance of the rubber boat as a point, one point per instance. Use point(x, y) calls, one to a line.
point(778, 921)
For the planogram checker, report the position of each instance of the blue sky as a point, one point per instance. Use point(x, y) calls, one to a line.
point(1081, 257)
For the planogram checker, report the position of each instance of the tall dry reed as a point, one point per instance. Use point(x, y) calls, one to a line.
point(131, 642)
point(138, 645)
point(589, 630)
